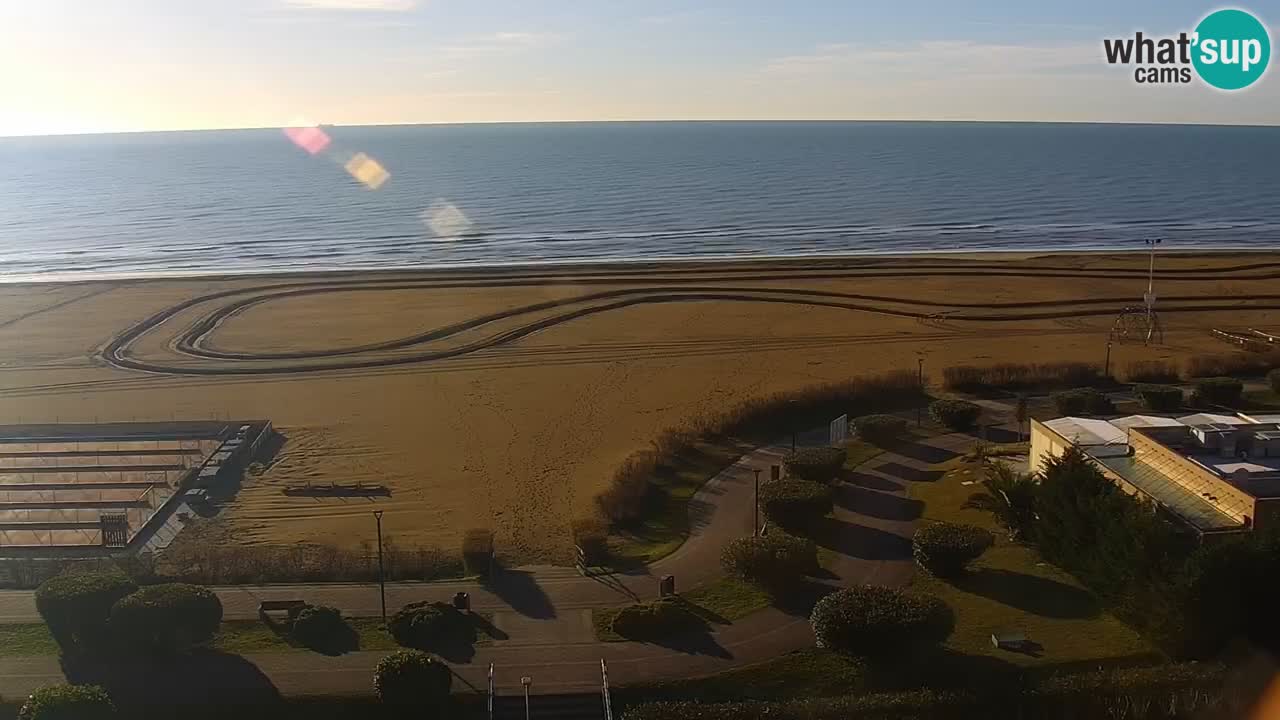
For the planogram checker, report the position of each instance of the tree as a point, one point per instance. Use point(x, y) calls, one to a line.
point(1220, 391)
point(430, 626)
point(170, 617)
point(412, 679)
point(323, 629)
point(795, 503)
point(874, 620)
point(946, 549)
point(76, 607)
point(68, 702)
point(1160, 398)
point(1010, 496)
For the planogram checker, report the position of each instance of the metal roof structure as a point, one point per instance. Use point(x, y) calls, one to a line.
point(1159, 484)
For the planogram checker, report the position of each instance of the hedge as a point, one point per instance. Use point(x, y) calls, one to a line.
point(955, 414)
point(76, 607)
point(775, 560)
point(1220, 390)
point(477, 552)
point(68, 702)
point(880, 428)
point(411, 678)
point(170, 617)
point(323, 628)
point(656, 619)
point(1151, 371)
point(816, 464)
point(1080, 401)
point(795, 503)
point(430, 625)
point(873, 620)
point(591, 535)
point(1160, 398)
point(946, 549)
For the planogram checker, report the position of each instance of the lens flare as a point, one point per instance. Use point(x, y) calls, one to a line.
point(312, 139)
point(367, 170)
point(446, 220)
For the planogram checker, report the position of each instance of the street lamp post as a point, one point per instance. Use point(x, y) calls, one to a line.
point(1150, 297)
point(526, 681)
point(755, 525)
point(382, 580)
point(1106, 366)
point(920, 383)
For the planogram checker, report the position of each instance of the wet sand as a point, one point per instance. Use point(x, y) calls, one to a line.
point(505, 398)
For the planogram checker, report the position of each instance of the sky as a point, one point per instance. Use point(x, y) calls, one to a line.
point(72, 66)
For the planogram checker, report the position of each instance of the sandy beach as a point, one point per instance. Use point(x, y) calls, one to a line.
point(505, 398)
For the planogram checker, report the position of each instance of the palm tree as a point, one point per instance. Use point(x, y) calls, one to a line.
point(1010, 496)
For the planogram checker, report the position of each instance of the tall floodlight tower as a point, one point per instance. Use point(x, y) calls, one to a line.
point(1150, 298)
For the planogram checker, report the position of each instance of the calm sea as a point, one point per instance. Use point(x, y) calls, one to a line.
point(252, 200)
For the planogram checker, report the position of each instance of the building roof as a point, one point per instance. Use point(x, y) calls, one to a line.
point(1261, 419)
point(1168, 492)
point(1125, 423)
point(1212, 419)
point(1088, 432)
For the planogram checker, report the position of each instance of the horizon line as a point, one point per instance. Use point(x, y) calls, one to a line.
point(795, 121)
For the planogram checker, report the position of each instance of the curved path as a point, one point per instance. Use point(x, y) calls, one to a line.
point(195, 350)
point(546, 611)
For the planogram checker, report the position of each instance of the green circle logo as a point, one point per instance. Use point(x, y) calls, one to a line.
point(1231, 49)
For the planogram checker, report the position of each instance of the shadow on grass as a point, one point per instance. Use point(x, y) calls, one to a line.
point(1030, 593)
point(909, 474)
point(877, 504)
point(860, 541)
point(871, 482)
point(688, 632)
point(922, 452)
point(799, 598)
point(190, 685)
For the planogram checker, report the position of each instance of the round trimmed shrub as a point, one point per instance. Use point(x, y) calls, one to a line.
point(1083, 401)
point(322, 628)
point(955, 414)
point(873, 620)
point(880, 428)
point(1273, 378)
point(816, 464)
point(774, 561)
point(1161, 398)
point(946, 549)
point(76, 606)
point(412, 678)
point(170, 617)
point(68, 702)
point(428, 625)
point(1220, 391)
point(795, 503)
point(660, 618)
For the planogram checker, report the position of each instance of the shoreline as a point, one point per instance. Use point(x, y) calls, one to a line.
point(687, 264)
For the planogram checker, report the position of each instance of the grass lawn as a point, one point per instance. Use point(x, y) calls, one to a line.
point(802, 673)
point(719, 603)
point(26, 640)
point(667, 527)
point(1010, 587)
point(253, 636)
point(859, 452)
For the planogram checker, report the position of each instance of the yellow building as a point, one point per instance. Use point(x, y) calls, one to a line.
point(1216, 474)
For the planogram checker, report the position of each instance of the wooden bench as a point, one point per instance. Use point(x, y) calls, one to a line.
point(292, 607)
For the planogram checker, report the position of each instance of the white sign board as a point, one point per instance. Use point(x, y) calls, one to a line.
point(839, 432)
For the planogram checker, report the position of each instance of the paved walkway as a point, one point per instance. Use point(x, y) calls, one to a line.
point(545, 611)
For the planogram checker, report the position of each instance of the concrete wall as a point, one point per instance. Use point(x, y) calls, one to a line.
point(1045, 443)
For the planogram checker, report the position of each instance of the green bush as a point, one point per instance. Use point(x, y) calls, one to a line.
point(1220, 390)
point(411, 678)
point(1083, 401)
point(68, 702)
point(1160, 398)
point(1239, 364)
point(795, 504)
point(324, 629)
point(874, 620)
point(651, 620)
point(1273, 378)
point(76, 607)
point(946, 549)
point(815, 464)
point(956, 414)
point(431, 625)
point(1014, 377)
point(880, 428)
point(775, 560)
point(170, 617)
